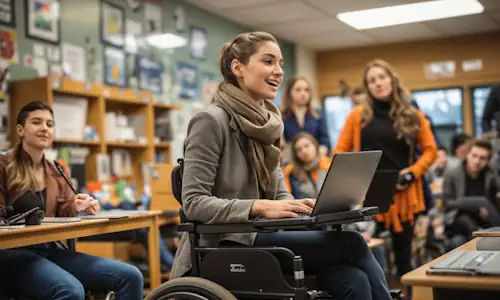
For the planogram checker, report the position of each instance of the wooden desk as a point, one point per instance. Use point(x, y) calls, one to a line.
point(437, 287)
point(32, 235)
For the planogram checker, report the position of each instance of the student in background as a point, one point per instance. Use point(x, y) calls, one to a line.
point(387, 122)
point(49, 270)
point(358, 96)
point(299, 115)
point(474, 177)
point(460, 146)
point(305, 174)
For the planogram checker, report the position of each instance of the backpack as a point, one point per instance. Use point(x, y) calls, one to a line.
point(177, 173)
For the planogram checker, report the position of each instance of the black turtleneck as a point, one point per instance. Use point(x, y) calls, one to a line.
point(381, 135)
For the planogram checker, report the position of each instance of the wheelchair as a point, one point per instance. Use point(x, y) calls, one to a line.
point(241, 272)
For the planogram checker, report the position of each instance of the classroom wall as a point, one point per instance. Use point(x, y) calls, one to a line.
point(408, 60)
point(305, 65)
point(81, 19)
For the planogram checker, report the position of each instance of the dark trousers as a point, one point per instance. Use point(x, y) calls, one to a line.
point(342, 261)
point(401, 244)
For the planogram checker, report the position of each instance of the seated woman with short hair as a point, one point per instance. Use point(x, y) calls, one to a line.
point(49, 270)
point(232, 174)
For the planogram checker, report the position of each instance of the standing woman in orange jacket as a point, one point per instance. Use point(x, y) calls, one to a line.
point(387, 122)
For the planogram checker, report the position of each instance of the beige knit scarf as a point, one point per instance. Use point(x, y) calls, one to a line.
point(260, 123)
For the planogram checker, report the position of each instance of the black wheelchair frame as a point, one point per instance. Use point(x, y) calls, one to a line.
point(243, 272)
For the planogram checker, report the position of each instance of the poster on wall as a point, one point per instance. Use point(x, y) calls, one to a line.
point(112, 25)
point(132, 41)
point(180, 19)
point(8, 45)
point(7, 13)
point(73, 61)
point(153, 20)
point(43, 20)
point(115, 67)
point(198, 42)
point(150, 75)
point(187, 78)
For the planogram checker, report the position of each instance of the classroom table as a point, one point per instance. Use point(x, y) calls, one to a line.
point(451, 287)
point(51, 232)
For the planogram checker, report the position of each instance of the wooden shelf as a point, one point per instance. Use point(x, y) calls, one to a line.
point(163, 145)
point(77, 142)
point(101, 99)
point(164, 106)
point(126, 144)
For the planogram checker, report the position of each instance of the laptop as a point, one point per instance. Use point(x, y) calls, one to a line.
point(342, 193)
point(381, 191)
point(469, 263)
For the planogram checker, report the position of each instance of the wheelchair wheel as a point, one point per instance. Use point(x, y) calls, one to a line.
point(190, 288)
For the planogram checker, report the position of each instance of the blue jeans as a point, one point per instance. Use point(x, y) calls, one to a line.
point(379, 254)
point(166, 257)
point(52, 273)
point(342, 261)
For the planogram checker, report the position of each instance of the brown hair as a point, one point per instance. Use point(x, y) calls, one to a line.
point(241, 48)
point(406, 121)
point(287, 101)
point(19, 174)
point(482, 143)
point(298, 166)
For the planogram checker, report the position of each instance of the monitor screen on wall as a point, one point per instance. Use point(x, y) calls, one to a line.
point(336, 110)
point(479, 96)
point(443, 106)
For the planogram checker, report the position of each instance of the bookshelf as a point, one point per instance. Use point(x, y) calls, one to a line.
point(100, 100)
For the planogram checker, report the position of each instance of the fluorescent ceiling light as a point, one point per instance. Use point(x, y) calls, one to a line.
point(166, 41)
point(410, 13)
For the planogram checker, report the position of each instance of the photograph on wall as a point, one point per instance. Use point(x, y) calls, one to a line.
point(8, 45)
point(7, 13)
point(115, 67)
point(150, 75)
point(112, 25)
point(43, 20)
point(153, 21)
point(198, 42)
point(187, 78)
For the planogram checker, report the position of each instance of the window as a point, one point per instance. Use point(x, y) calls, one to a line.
point(336, 110)
point(479, 96)
point(443, 106)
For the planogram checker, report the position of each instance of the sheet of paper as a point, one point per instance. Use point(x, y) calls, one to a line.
point(41, 66)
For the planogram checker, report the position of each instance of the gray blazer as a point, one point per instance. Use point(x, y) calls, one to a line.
point(454, 184)
point(218, 185)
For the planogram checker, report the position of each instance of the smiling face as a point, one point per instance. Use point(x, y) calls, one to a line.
point(38, 129)
point(262, 75)
point(379, 83)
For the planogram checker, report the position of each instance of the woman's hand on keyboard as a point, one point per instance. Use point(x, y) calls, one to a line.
point(276, 209)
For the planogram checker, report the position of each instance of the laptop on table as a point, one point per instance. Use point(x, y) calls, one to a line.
point(342, 193)
point(468, 263)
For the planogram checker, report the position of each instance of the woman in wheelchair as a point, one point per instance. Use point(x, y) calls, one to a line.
point(49, 270)
point(232, 174)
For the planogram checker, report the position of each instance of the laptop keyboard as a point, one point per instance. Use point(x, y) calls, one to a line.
point(464, 260)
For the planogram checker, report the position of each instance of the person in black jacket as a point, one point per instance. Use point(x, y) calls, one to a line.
point(491, 108)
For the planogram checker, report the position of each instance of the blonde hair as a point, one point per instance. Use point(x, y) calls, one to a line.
point(287, 101)
point(406, 121)
point(19, 174)
point(298, 168)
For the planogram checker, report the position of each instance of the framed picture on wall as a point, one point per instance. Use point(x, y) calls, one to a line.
point(8, 13)
point(112, 24)
point(115, 67)
point(43, 20)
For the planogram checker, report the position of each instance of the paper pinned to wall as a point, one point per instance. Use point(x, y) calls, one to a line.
point(40, 65)
point(74, 61)
point(38, 50)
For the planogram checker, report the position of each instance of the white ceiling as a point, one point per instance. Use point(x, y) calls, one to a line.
point(313, 23)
